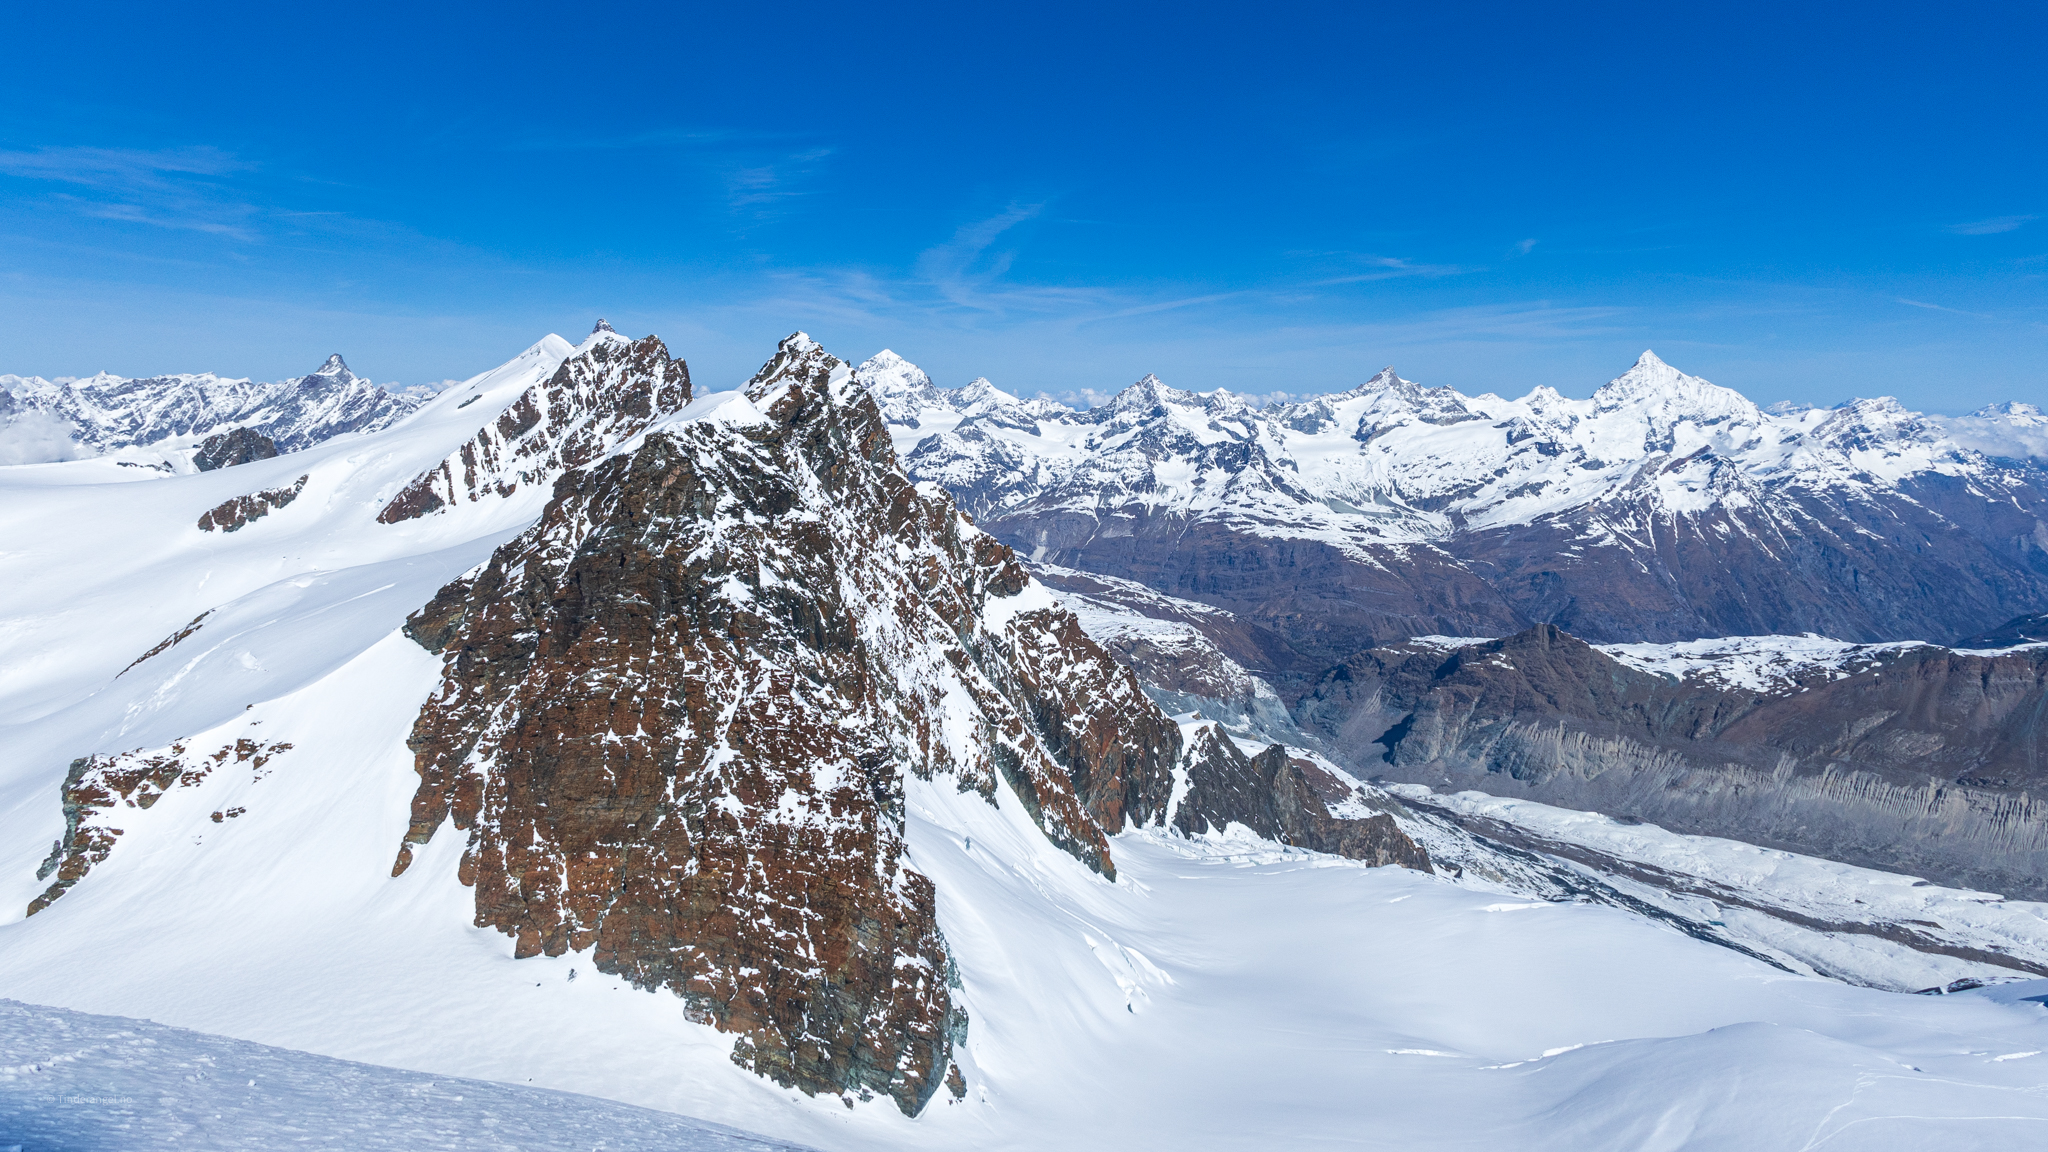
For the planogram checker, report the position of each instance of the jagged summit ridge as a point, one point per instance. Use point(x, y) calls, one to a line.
point(1480, 513)
point(106, 412)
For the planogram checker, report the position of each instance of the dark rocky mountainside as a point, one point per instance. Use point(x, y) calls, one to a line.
point(1911, 758)
point(679, 712)
point(235, 446)
point(1290, 799)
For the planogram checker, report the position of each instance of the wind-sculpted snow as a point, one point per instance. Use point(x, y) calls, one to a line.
point(1663, 507)
point(108, 412)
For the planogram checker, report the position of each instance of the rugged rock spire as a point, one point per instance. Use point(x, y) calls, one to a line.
point(678, 711)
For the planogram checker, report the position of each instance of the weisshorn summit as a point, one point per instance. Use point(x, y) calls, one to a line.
point(874, 765)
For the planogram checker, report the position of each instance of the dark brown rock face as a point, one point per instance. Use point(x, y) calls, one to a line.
point(1289, 799)
point(235, 446)
point(1920, 759)
point(238, 513)
point(677, 714)
point(1929, 562)
point(592, 402)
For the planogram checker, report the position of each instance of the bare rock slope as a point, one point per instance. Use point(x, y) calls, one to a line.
point(1909, 757)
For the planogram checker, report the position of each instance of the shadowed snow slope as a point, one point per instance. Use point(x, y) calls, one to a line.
point(111, 1084)
point(1211, 992)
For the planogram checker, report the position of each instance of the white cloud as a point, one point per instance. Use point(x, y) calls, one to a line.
point(37, 437)
point(1990, 227)
point(1999, 436)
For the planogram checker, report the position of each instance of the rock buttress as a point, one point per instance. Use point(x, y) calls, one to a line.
point(1291, 799)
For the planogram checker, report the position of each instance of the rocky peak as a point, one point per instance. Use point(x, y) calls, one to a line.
point(609, 391)
point(1145, 395)
point(1876, 424)
point(335, 368)
point(678, 713)
point(603, 325)
point(1383, 379)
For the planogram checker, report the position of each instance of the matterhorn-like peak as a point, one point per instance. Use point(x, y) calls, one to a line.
point(603, 325)
point(1651, 380)
point(1148, 392)
point(335, 366)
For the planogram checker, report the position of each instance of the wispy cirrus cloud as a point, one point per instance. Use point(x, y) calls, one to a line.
point(1941, 308)
point(120, 167)
point(756, 171)
point(177, 188)
point(1377, 267)
point(1991, 226)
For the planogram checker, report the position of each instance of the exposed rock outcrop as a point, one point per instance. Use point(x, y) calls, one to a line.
point(678, 711)
point(592, 403)
point(238, 513)
point(1291, 799)
point(97, 787)
point(235, 446)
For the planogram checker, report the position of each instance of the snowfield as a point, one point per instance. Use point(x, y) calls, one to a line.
point(1222, 993)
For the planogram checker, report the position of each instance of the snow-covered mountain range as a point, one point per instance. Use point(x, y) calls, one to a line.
point(102, 413)
point(1661, 508)
point(586, 730)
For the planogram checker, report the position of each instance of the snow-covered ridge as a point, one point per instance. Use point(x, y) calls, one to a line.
point(106, 413)
point(1393, 461)
point(1756, 663)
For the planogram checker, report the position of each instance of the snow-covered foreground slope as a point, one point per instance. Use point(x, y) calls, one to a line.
point(87, 1083)
point(1218, 993)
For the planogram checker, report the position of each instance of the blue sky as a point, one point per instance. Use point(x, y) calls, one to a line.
point(1801, 201)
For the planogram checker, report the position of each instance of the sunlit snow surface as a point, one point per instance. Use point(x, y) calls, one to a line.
point(1221, 994)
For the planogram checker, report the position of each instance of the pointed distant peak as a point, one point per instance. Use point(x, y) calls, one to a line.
point(886, 358)
point(1149, 392)
point(797, 342)
point(2010, 410)
point(978, 392)
point(1384, 378)
point(334, 366)
point(601, 336)
point(1650, 376)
